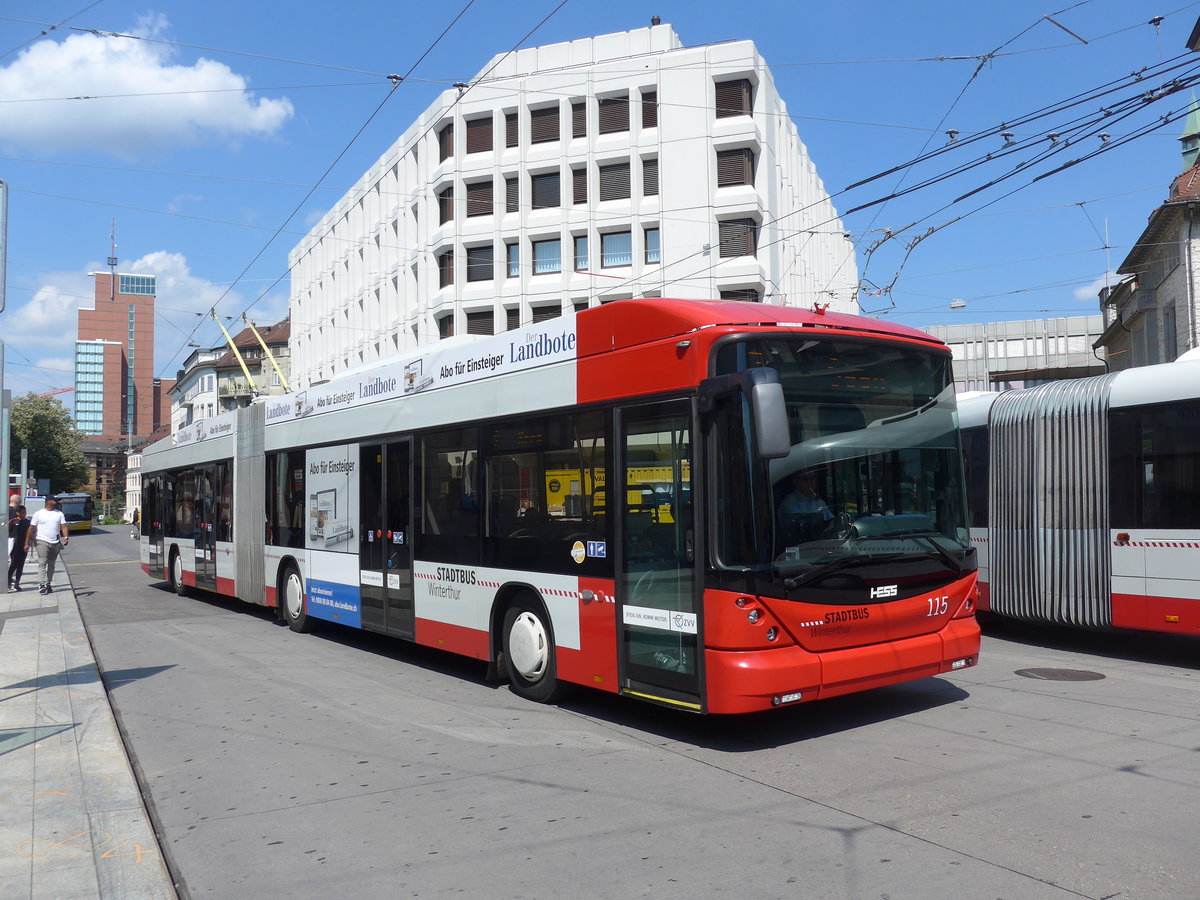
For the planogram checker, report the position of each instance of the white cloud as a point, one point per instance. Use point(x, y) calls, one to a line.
point(46, 322)
point(40, 334)
point(181, 296)
point(1089, 292)
point(202, 103)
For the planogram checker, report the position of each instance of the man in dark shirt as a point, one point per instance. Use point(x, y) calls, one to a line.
point(18, 531)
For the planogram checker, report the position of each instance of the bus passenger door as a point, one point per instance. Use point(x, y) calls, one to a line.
point(370, 537)
point(204, 514)
point(657, 611)
point(397, 536)
point(152, 523)
point(385, 561)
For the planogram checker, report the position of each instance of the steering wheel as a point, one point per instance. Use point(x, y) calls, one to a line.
point(840, 527)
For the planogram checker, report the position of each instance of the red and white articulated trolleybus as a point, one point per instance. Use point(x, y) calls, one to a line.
point(1085, 499)
point(721, 507)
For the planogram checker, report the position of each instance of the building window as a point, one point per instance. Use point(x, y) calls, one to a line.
point(652, 248)
point(613, 115)
point(735, 167)
point(649, 109)
point(512, 318)
point(446, 142)
point(481, 264)
point(512, 194)
point(547, 257)
point(545, 313)
point(142, 285)
point(738, 237)
point(581, 252)
point(579, 185)
point(650, 177)
point(513, 255)
point(136, 284)
point(445, 199)
point(546, 190)
point(445, 264)
point(479, 198)
point(734, 98)
point(614, 182)
point(445, 326)
point(578, 118)
point(616, 249)
point(511, 132)
point(746, 295)
point(543, 124)
point(481, 322)
point(479, 135)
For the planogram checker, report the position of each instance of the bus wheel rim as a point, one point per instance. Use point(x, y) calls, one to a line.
point(295, 597)
point(177, 569)
point(528, 646)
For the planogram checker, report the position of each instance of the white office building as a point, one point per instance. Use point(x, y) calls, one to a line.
point(566, 176)
point(1002, 356)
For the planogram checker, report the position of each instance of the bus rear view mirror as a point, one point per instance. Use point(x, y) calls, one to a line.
point(770, 420)
point(764, 390)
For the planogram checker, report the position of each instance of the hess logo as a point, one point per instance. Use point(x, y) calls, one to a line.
point(887, 590)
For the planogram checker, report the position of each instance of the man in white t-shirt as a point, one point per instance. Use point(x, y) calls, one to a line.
point(47, 532)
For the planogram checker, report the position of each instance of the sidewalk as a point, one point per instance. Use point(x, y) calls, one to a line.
point(72, 822)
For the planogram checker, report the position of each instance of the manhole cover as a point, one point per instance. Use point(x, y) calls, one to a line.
point(1059, 674)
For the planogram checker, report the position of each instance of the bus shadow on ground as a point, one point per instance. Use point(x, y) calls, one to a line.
point(730, 734)
point(771, 728)
point(1180, 651)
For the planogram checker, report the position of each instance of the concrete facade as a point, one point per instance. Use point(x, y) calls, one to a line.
point(1000, 356)
point(1153, 314)
point(564, 176)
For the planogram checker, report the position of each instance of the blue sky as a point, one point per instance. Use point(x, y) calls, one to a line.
point(205, 135)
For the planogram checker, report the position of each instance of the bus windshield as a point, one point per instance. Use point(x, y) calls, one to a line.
point(75, 507)
point(873, 482)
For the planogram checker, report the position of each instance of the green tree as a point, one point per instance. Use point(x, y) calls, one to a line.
point(43, 426)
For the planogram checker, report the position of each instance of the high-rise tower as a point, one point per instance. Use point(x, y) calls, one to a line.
point(115, 393)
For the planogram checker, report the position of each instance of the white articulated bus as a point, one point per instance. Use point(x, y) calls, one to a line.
point(1085, 499)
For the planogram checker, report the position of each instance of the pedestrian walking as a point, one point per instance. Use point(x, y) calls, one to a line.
point(48, 534)
point(18, 532)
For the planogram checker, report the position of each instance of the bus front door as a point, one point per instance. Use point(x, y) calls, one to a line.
point(385, 561)
point(657, 595)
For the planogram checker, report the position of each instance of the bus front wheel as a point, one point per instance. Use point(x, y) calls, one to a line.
point(293, 601)
point(529, 653)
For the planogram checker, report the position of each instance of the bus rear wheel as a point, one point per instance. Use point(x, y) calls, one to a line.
point(175, 573)
point(529, 653)
point(292, 592)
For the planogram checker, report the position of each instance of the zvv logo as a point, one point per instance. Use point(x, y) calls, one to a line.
point(888, 590)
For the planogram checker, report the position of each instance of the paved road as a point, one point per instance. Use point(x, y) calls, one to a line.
point(342, 764)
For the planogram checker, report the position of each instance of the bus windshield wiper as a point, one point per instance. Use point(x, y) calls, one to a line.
point(841, 562)
point(927, 539)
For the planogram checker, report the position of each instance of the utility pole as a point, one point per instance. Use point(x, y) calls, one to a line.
point(5, 396)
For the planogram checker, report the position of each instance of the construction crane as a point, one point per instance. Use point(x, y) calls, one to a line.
point(55, 391)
